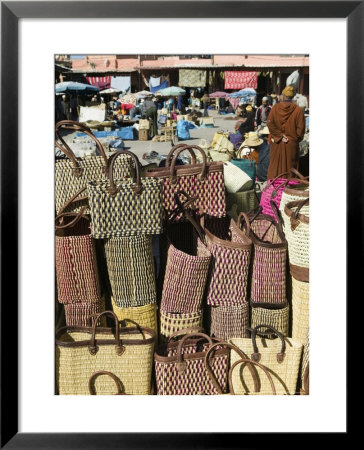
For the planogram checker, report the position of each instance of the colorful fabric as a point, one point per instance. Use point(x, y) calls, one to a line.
point(240, 79)
point(192, 78)
point(100, 82)
point(154, 81)
point(159, 87)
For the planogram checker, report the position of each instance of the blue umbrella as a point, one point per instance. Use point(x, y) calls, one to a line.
point(72, 87)
point(247, 92)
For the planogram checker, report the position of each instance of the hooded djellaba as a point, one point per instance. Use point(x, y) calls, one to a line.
point(286, 123)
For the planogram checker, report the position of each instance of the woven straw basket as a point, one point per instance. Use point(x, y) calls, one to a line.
point(230, 249)
point(297, 231)
point(305, 389)
point(77, 314)
point(126, 352)
point(180, 366)
point(235, 179)
point(171, 323)
point(294, 193)
point(73, 174)
point(300, 309)
point(142, 316)
point(130, 265)
point(280, 356)
point(275, 318)
point(229, 321)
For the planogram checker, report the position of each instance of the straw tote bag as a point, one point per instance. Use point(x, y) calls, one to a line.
point(296, 219)
point(305, 376)
point(186, 274)
point(120, 207)
point(230, 249)
point(293, 193)
point(204, 181)
point(180, 367)
point(73, 174)
point(240, 360)
point(280, 356)
point(229, 321)
point(238, 202)
point(274, 187)
point(248, 166)
point(235, 179)
point(268, 277)
point(300, 309)
point(130, 265)
point(275, 318)
point(142, 316)
point(126, 352)
point(172, 323)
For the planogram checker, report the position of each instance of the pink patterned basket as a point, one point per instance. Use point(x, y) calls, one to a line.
point(273, 190)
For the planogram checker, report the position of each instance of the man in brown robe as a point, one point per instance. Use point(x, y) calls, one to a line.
point(286, 123)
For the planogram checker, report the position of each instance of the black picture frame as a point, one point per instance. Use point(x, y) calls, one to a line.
point(11, 12)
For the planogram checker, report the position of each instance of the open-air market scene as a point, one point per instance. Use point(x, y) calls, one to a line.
point(182, 224)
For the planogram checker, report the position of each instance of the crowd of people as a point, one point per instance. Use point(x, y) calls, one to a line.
point(271, 133)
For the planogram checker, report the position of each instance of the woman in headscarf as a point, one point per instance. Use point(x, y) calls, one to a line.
point(286, 123)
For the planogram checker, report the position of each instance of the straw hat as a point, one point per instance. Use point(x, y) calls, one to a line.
point(252, 140)
point(264, 130)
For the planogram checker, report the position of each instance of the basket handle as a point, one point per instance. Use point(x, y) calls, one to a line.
point(113, 189)
point(170, 154)
point(256, 355)
point(78, 216)
point(203, 174)
point(72, 125)
point(181, 364)
point(248, 362)
point(212, 375)
point(119, 349)
point(111, 375)
point(295, 217)
point(277, 213)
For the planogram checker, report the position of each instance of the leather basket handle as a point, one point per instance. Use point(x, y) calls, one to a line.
point(111, 375)
point(173, 176)
point(181, 364)
point(256, 355)
point(170, 154)
point(113, 189)
point(119, 349)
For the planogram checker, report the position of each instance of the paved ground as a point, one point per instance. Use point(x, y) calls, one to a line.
point(140, 147)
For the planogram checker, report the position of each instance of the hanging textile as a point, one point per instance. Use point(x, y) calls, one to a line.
point(100, 82)
point(235, 79)
point(161, 86)
point(154, 82)
point(192, 78)
point(122, 84)
point(234, 102)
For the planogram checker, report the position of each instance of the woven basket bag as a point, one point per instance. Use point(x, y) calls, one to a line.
point(274, 187)
point(204, 181)
point(75, 254)
point(280, 356)
point(186, 274)
point(305, 376)
point(293, 193)
point(235, 179)
point(269, 260)
point(73, 174)
point(275, 318)
point(120, 207)
point(296, 219)
point(130, 266)
point(300, 309)
point(142, 316)
point(78, 314)
point(248, 166)
point(172, 323)
point(230, 249)
point(82, 351)
point(242, 360)
point(180, 367)
point(244, 201)
point(229, 321)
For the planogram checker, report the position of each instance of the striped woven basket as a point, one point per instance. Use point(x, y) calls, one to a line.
point(180, 366)
point(130, 265)
point(230, 249)
point(125, 352)
point(268, 280)
point(142, 316)
point(297, 231)
point(77, 314)
point(229, 321)
point(170, 323)
point(294, 193)
point(73, 174)
point(280, 356)
point(300, 309)
point(275, 318)
point(76, 263)
point(239, 202)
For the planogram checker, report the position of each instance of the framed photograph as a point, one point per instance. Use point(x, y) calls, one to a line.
point(327, 38)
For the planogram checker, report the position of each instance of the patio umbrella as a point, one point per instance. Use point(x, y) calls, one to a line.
point(72, 87)
point(109, 91)
point(172, 91)
point(218, 94)
point(247, 92)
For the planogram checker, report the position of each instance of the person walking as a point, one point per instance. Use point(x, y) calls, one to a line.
point(149, 108)
point(286, 124)
point(205, 100)
point(66, 110)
